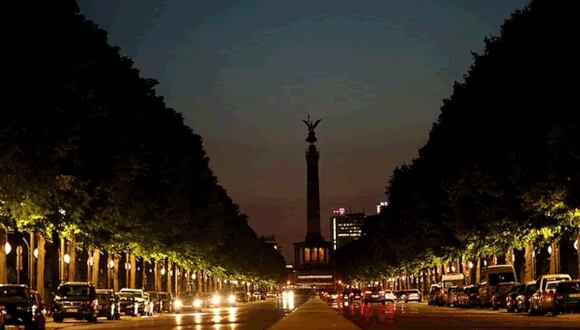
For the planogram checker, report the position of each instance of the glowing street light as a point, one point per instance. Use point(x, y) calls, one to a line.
point(163, 271)
point(7, 248)
point(470, 265)
point(576, 244)
point(550, 249)
point(66, 258)
point(111, 263)
point(35, 253)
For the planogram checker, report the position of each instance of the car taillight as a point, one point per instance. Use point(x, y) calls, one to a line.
point(367, 292)
point(559, 296)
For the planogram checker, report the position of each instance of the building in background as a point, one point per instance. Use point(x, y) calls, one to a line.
point(345, 227)
point(381, 206)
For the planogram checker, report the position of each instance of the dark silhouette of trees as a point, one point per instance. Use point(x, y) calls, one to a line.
point(501, 166)
point(91, 153)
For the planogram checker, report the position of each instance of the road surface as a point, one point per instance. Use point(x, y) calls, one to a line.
point(423, 316)
point(255, 315)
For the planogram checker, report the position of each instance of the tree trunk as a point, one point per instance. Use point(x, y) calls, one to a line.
point(530, 266)
point(116, 271)
point(577, 246)
point(478, 271)
point(61, 264)
point(109, 270)
point(555, 258)
point(31, 259)
point(509, 257)
point(90, 266)
point(40, 265)
point(96, 268)
point(3, 263)
point(133, 264)
point(199, 280)
point(169, 277)
point(72, 247)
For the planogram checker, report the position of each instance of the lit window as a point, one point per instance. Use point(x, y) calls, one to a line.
point(314, 255)
point(307, 255)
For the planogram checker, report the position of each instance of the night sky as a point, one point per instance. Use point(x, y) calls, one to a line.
point(244, 74)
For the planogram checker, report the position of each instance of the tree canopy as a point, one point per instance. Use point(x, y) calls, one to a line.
point(89, 149)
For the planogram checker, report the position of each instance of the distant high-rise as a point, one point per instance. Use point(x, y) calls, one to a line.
point(345, 227)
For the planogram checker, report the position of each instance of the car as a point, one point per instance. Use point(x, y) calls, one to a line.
point(127, 304)
point(77, 300)
point(499, 297)
point(374, 295)
point(511, 302)
point(271, 294)
point(451, 295)
point(332, 296)
point(223, 298)
point(523, 297)
point(567, 297)
point(411, 295)
point(21, 306)
point(164, 302)
point(189, 301)
point(433, 294)
point(242, 296)
point(258, 295)
point(491, 277)
point(356, 295)
point(542, 301)
point(390, 296)
point(470, 296)
point(139, 299)
point(108, 304)
point(448, 281)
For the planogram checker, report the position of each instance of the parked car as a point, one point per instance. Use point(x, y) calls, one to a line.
point(374, 294)
point(164, 302)
point(127, 304)
point(511, 302)
point(108, 304)
point(448, 281)
point(21, 307)
point(471, 296)
point(567, 297)
point(499, 298)
point(258, 295)
point(491, 277)
point(451, 296)
point(139, 299)
point(542, 301)
point(411, 295)
point(77, 300)
point(390, 296)
point(189, 301)
point(523, 298)
point(433, 294)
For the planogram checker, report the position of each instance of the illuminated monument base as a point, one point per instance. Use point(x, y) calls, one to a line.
point(313, 264)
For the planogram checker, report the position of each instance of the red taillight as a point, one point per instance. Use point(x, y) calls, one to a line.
point(368, 292)
point(559, 296)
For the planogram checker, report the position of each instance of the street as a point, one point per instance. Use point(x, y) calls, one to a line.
point(254, 315)
point(423, 316)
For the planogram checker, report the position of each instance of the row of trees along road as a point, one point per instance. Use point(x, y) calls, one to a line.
point(499, 177)
point(92, 156)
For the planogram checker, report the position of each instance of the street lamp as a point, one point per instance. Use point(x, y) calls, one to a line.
point(550, 249)
point(576, 244)
point(66, 258)
point(111, 263)
point(35, 253)
point(7, 247)
point(162, 271)
point(470, 265)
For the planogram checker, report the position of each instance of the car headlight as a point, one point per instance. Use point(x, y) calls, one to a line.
point(231, 299)
point(197, 303)
point(215, 300)
point(178, 303)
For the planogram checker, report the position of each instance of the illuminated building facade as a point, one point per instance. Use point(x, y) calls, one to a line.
point(345, 227)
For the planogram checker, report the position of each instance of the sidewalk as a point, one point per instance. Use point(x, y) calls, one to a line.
point(316, 315)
